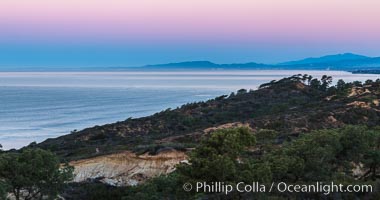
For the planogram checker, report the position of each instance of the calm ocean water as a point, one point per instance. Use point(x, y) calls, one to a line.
point(35, 106)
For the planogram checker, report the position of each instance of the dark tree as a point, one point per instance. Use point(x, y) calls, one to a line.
point(33, 174)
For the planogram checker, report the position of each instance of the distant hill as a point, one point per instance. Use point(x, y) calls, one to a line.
point(366, 63)
point(327, 59)
point(346, 62)
point(197, 64)
point(369, 71)
point(208, 65)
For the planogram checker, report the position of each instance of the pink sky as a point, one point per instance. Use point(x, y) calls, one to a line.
point(350, 24)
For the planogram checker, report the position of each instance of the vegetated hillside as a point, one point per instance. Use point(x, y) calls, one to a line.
point(291, 106)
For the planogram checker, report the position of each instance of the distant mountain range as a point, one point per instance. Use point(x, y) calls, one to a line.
point(327, 59)
point(346, 61)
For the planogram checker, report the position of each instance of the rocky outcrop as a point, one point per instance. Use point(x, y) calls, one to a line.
point(226, 126)
point(126, 168)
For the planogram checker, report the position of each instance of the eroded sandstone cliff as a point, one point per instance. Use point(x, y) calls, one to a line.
point(127, 168)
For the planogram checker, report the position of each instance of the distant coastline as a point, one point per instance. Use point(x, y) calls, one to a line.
point(371, 71)
point(340, 62)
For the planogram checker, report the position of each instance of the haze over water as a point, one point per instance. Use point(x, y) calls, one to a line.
point(35, 106)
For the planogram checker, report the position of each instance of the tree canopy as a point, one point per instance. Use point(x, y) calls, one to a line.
point(32, 174)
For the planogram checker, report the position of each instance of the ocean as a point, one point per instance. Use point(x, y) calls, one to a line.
point(35, 106)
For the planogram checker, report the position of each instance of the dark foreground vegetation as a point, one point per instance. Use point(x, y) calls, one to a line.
point(238, 155)
point(298, 130)
point(32, 174)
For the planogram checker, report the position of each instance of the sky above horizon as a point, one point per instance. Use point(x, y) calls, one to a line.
point(108, 33)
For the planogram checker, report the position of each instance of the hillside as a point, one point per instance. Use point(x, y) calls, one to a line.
point(290, 106)
point(296, 130)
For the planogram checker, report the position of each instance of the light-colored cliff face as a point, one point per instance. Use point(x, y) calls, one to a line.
point(127, 168)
